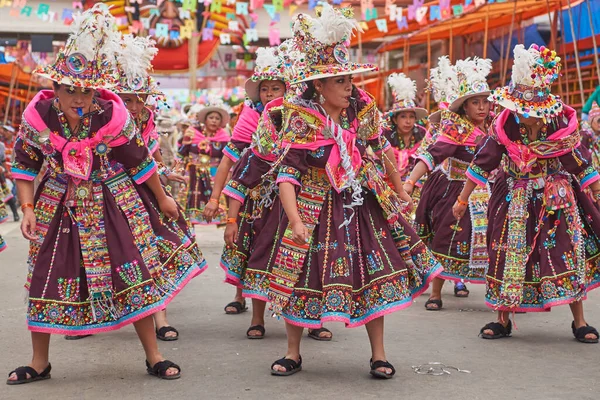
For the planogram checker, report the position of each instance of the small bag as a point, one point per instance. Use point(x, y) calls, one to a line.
point(558, 192)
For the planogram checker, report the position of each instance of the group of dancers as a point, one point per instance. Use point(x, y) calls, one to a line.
point(333, 211)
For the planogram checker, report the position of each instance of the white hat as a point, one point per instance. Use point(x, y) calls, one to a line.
point(267, 68)
point(443, 84)
point(404, 90)
point(472, 80)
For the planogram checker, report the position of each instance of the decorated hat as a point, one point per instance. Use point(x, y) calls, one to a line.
point(404, 90)
point(443, 84)
point(594, 112)
point(134, 62)
point(88, 58)
point(267, 68)
point(533, 72)
point(324, 41)
point(214, 104)
point(472, 80)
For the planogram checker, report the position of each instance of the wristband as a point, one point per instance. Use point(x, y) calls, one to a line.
point(410, 182)
point(26, 205)
point(211, 200)
point(232, 220)
point(462, 203)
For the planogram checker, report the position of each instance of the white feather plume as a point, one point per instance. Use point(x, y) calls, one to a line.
point(332, 26)
point(474, 69)
point(403, 88)
point(266, 57)
point(444, 81)
point(91, 28)
point(135, 56)
point(524, 62)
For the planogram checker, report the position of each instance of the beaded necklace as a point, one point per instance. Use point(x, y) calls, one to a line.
point(344, 122)
point(525, 131)
point(402, 144)
point(82, 129)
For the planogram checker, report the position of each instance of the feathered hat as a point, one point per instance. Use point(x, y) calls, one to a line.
point(443, 84)
point(472, 80)
point(324, 40)
point(88, 58)
point(533, 72)
point(267, 68)
point(134, 62)
point(214, 104)
point(404, 90)
point(594, 112)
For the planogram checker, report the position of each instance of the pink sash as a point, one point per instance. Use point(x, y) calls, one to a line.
point(246, 125)
point(220, 136)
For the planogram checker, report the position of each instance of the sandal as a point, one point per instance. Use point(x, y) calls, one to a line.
point(381, 364)
point(33, 375)
point(162, 332)
point(316, 334)
point(291, 366)
point(239, 308)
point(259, 328)
point(437, 302)
point(160, 369)
point(581, 332)
point(75, 337)
point(499, 330)
point(461, 287)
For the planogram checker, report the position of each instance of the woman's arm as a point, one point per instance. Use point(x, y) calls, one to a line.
point(212, 207)
point(287, 194)
point(25, 194)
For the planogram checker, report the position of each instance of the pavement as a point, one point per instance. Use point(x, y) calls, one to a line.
point(541, 361)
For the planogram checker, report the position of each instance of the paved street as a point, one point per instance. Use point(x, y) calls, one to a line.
point(541, 361)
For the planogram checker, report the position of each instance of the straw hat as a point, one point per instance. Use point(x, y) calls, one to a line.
point(472, 80)
point(88, 58)
point(214, 104)
point(324, 41)
point(404, 90)
point(534, 71)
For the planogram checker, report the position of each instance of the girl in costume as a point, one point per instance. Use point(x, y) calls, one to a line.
point(201, 152)
point(346, 254)
point(95, 264)
point(590, 134)
point(459, 245)
point(135, 85)
point(543, 233)
point(266, 84)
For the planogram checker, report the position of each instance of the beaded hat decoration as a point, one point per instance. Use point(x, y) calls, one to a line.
point(134, 62)
point(404, 91)
point(324, 40)
point(88, 58)
point(472, 80)
point(594, 112)
point(267, 68)
point(443, 84)
point(214, 104)
point(533, 72)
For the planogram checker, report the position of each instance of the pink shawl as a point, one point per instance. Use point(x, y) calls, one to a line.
point(557, 144)
point(77, 156)
point(220, 136)
point(246, 125)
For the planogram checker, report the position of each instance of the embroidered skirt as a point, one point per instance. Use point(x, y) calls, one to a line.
point(196, 194)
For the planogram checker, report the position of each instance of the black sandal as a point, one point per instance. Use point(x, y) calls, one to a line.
point(581, 332)
point(291, 367)
point(33, 375)
point(437, 302)
point(75, 337)
point(499, 330)
point(316, 334)
point(160, 370)
point(162, 332)
point(259, 328)
point(461, 287)
point(381, 364)
point(239, 308)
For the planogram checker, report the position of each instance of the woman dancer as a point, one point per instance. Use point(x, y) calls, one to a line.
point(345, 253)
point(543, 229)
point(201, 151)
point(459, 245)
point(266, 84)
point(95, 264)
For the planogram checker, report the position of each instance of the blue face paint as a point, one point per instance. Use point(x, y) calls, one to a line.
point(80, 111)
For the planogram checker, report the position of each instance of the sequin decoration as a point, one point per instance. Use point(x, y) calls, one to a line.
point(340, 52)
point(76, 63)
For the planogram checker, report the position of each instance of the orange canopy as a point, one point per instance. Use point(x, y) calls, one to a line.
point(472, 20)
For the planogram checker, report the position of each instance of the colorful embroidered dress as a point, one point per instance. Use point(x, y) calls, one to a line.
point(544, 231)
point(105, 256)
point(361, 261)
point(253, 184)
point(405, 155)
point(201, 159)
point(459, 245)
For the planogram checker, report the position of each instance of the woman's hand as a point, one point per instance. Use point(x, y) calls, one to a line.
point(408, 188)
point(168, 206)
point(459, 209)
point(176, 177)
point(299, 233)
point(28, 225)
point(231, 232)
point(210, 210)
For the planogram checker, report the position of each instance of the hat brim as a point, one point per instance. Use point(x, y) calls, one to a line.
point(210, 109)
point(455, 106)
point(435, 117)
point(68, 81)
point(553, 106)
point(420, 113)
point(338, 70)
point(252, 91)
